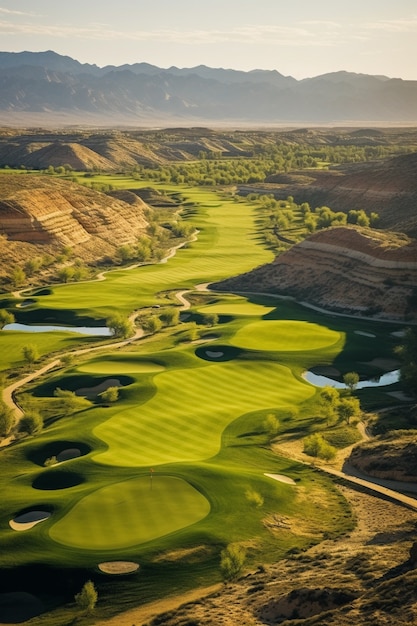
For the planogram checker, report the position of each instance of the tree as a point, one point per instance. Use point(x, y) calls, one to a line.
point(5, 318)
point(30, 353)
point(18, 277)
point(170, 317)
point(210, 319)
point(70, 401)
point(351, 380)
point(348, 408)
point(232, 560)
point(315, 445)
point(86, 600)
point(254, 498)
point(271, 425)
point(6, 419)
point(152, 325)
point(65, 274)
point(31, 423)
point(120, 326)
point(111, 394)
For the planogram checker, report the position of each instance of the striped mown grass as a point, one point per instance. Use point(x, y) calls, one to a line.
point(131, 512)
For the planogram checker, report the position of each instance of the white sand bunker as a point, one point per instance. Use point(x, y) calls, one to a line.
point(364, 334)
point(282, 478)
point(28, 520)
point(118, 567)
point(214, 355)
point(92, 392)
point(69, 453)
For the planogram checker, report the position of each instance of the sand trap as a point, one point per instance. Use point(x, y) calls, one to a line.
point(92, 392)
point(28, 520)
point(364, 334)
point(118, 567)
point(69, 453)
point(214, 355)
point(398, 333)
point(25, 303)
point(282, 478)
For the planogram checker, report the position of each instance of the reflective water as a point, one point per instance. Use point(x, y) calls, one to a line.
point(322, 381)
point(96, 331)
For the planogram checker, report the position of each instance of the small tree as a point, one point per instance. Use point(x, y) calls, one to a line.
point(70, 401)
point(86, 600)
point(18, 277)
point(152, 325)
point(210, 319)
point(348, 408)
point(271, 425)
point(30, 353)
point(351, 380)
point(121, 326)
point(111, 394)
point(31, 423)
point(5, 318)
point(170, 317)
point(232, 560)
point(254, 498)
point(6, 419)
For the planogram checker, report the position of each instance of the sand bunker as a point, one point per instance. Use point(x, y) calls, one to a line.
point(69, 453)
point(364, 334)
point(214, 355)
point(28, 520)
point(281, 478)
point(118, 567)
point(93, 392)
point(18, 606)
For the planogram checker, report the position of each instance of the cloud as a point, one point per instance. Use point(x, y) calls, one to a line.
point(11, 12)
point(251, 34)
point(404, 25)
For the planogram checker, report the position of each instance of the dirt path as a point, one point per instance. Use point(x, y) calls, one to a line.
point(145, 613)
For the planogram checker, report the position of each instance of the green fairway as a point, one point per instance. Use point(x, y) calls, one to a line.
point(122, 366)
point(286, 335)
point(199, 402)
point(227, 244)
point(12, 343)
point(191, 408)
point(245, 308)
point(131, 512)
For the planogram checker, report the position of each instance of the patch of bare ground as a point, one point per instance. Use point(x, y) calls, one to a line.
point(357, 579)
point(367, 577)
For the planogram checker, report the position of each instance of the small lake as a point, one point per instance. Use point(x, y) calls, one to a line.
point(95, 331)
point(323, 381)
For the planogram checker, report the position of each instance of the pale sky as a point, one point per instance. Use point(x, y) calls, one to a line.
point(300, 38)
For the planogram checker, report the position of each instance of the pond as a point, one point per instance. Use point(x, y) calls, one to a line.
point(322, 381)
point(96, 331)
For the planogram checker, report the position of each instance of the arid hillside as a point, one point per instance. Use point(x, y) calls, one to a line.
point(346, 269)
point(41, 215)
point(387, 187)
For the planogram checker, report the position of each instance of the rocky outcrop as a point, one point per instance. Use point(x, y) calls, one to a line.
point(39, 214)
point(346, 269)
point(393, 457)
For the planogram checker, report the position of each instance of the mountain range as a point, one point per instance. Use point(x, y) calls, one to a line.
point(42, 85)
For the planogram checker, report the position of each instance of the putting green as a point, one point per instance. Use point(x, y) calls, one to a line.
point(131, 512)
point(120, 366)
point(185, 419)
point(285, 335)
point(237, 308)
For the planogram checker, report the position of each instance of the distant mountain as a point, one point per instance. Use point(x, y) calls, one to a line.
point(54, 85)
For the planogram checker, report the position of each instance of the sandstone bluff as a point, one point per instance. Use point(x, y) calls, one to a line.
point(346, 269)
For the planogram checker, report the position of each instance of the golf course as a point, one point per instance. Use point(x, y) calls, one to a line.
point(178, 464)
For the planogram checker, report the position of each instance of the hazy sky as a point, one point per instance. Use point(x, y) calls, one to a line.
point(296, 37)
